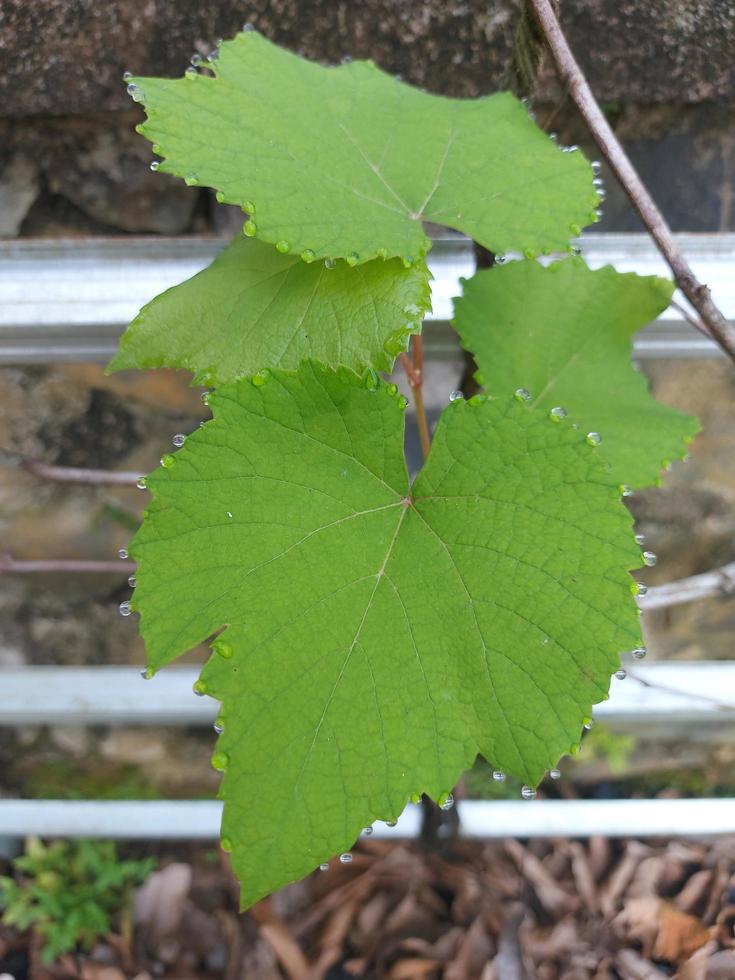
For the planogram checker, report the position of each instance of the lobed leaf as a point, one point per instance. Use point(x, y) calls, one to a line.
point(564, 332)
point(254, 308)
point(376, 636)
point(348, 162)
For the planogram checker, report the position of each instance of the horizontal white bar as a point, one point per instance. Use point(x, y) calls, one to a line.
point(668, 693)
point(92, 288)
point(200, 820)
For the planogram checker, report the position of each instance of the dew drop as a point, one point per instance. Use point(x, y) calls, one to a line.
point(249, 229)
point(247, 28)
point(555, 773)
point(367, 831)
point(122, 553)
point(624, 490)
point(127, 75)
point(224, 649)
point(308, 255)
point(147, 673)
point(529, 253)
point(196, 59)
point(499, 775)
point(220, 761)
point(191, 73)
point(135, 92)
point(456, 395)
point(391, 823)
point(330, 263)
point(132, 581)
point(155, 164)
point(229, 514)
point(218, 727)
point(199, 688)
point(191, 180)
point(640, 539)
point(446, 802)
point(596, 166)
point(248, 206)
point(226, 844)
point(324, 867)
point(178, 440)
point(528, 793)
point(557, 413)
point(620, 674)
point(261, 378)
point(352, 259)
point(345, 858)
point(523, 394)
point(382, 253)
point(575, 230)
point(371, 379)
point(649, 558)
point(408, 261)
point(412, 309)
point(477, 400)
point(587, 724)
point(282, 246)
point(125, 609)
point(594, 438)
point(639, 653)
point(392, 389)
point(219, 197)
point(640, 588)
point(205, 397)
point(167, 461)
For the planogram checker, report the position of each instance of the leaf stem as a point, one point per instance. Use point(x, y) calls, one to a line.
point(571, 75)
point(414, 368)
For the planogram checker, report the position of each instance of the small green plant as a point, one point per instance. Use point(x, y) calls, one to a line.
point(69, 892)
point(372, 633)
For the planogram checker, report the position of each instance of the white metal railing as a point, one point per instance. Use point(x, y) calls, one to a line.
point(92, 288)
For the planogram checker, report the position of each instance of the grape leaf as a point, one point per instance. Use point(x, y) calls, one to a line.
point(347, 162)
point(379, 635)
point(253, 308)
point(564, 332)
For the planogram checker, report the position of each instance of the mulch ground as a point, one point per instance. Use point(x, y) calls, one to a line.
point(544, 910)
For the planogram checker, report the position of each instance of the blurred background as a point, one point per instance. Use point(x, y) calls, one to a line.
point(77, 193)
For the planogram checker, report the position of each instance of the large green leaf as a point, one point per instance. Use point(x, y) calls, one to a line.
point(254, 308)
point(378, 636)
point(348, 162)
point(564, 333)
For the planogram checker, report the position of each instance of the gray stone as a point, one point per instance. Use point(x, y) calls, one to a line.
point(68, 57)
point(19, 188)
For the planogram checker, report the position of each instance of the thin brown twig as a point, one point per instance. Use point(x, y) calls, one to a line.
point(696, 323)
point(717, 582)
point(21, 566)
point(571, 75)
point(414, 369)
point(74, 474)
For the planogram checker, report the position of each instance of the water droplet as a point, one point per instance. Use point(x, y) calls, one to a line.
point(122, 553)
point(324, 867)
point(382, 253)
point(147, 673)
point(624, 490)
point(649, 558)
point(587, 724)
point(191, 73)
point(596, 166)
point(248, 206)
point(620, 674)
point(371, 379)
point(367, 831)
point(408, 261)
point(218, 727)
point(391, 823)
point(213, 55)
point(308, 255)
point(132, 581)
point(127, 75)
point(353, 258)
point(205, 397)
point(555, 773)
point(125, 609)
point(178, 440)
point(155, 164)
point(199, 688)
point(345, 858)
point(226, 844)
point(640, 588)
point(135, 92)
point(594, 438)
point(402, 401)
point(249, 229)
point(640, 539)
point(557, 413)
point(196, 59)
point(330, 263)
point(224, 649)
point(412, 309)
point(528, 792)
point(282, 246)
point(446, 802)
point(575, 230)
point(191, 180)
point(167, 461)
point(639, 653)
point(529, 253)
point(456, 395)
point(219, 197)
point(261, 378)
point(220, 761)
point(498, 775)
point(229, 514)
point(392, 389)
point(523, 394)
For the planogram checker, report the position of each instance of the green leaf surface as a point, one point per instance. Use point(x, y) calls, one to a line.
point(254, 308)
point(377, 636)
point(348, 162)
point(564, 332)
